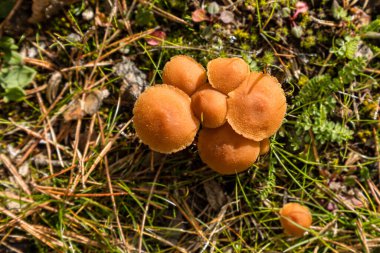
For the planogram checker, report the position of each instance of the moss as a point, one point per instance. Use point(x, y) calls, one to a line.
point(268, 58)
point(282, 32)
point(253, 38)
point(245, 47)
point(240, 34)
point(321, 37)
point(364, 135)
point(305, 20)
point(217, 26)
point(303, 80)
point(308, 42)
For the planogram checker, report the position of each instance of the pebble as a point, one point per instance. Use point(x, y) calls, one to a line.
point(134, 81)
point(88, 14)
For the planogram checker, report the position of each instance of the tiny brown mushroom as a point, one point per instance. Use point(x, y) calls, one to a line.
point(209, 106)
point(225, 151)
point(295, 218)
point(264, 146)
point(226, 74)
point(257, 107)
point(184, 73)
point(163, 119)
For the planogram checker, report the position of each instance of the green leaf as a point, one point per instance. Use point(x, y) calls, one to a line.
point(12, 57)
point(338, 11)
point(13, 94)
point(351, 47)
point(16, 76)
point(7, 43)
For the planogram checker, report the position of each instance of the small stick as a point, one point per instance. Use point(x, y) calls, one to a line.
point(7, 162)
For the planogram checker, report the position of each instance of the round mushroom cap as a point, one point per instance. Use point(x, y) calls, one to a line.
point(209, 106)
point(225, 151)
point(226, 74)
point(264, 146)
point(163, 119)
point(184, 73)
point(295, 213)
point(257, 107)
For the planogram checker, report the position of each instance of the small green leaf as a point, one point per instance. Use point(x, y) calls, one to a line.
point(7, 43)
point(12, 57)
point(13, 94)
point(338, 11)
point(16, 76)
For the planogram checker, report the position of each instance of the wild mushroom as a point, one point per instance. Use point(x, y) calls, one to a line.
point(257, 107)
point(163, 119)
point(209, 106)
point(225, 151)
point(264, 146)
point(184, 73)
point(295, 218)
point(226, 74)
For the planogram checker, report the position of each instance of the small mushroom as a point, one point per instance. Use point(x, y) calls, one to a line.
point(264, 146)
point(225, 151)
point(209, 106)
point(184, 73)
point(257, 107)
point(295, 218)
point(163, 119)
point(226, 74)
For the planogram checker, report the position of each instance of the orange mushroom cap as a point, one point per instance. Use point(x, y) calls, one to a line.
point(257, 107)
point(209, 106)
point(226, 74)
point(185, 73)
point(163, 119)
point(295, 213)
point(264, 146)
point(225, 151)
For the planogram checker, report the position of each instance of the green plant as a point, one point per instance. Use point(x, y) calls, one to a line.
point(316, 118)
point(14, 75)
point(346, 48)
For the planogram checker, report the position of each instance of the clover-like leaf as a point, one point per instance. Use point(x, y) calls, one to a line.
point(16, 76)
point(13, 94)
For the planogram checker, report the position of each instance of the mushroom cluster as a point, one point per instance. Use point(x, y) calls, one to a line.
point(238, 110)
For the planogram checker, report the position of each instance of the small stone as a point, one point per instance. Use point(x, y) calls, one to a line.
point(226, 17)
point(73, 37)
point(23, 170)
point(133, 80)
point(88, 14)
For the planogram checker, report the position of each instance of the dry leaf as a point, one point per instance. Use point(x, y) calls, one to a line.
point(156, 38)
point(101, 20)
point(199, 15)
point(226, 17)
point(53, 84)
point(215, 195)
point(93, 101)
point(74, 111)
